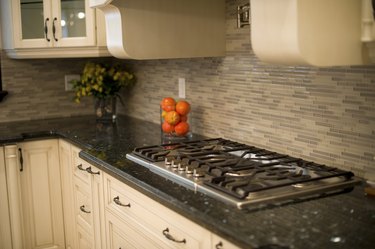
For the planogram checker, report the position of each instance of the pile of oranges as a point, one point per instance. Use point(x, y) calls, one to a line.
point(174, 116)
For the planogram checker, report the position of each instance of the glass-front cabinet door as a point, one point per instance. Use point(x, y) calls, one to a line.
point(75, 22)
point(53, 23)
point(31, 23)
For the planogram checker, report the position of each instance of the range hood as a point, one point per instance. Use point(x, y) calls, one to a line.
point(313, 32)
point(157, 29)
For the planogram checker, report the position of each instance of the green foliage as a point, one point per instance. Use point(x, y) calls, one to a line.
point(102, 81)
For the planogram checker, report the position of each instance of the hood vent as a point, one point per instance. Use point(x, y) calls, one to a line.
point(313, 32)
point(157, 29)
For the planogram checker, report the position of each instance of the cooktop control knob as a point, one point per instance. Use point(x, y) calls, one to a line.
point(181, 167)
point(167, 162)
point(198, 173)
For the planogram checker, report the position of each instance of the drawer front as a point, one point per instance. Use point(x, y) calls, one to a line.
point(129, 234)
point(84, 240)
point(218, 242)
point(164, 224)
point(79, 166)
point(82, 204)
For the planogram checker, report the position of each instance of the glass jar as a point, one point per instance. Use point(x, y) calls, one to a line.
point(174, 126)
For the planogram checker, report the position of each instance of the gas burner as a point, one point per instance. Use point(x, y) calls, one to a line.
point(241, 174)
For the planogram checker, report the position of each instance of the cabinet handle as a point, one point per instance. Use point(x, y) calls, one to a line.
point(46, 29)
point(83, 209)
point(80, 167)
point(170, 237)
point(54, 29)
point(118, 202)
point(92, 172)
point(21, 159)
point(219, 245)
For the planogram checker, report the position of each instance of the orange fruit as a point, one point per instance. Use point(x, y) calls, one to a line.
point(172, 117)
point(167, 101)
point(183, 118)
point(182, 107)
point(181, 128)
point(168, 108)
point(167, 128)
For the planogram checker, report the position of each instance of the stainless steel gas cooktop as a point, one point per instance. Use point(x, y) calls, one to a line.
point(240, 174)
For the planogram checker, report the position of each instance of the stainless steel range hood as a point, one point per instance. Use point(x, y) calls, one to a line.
point(313, 32)
point(155, 29)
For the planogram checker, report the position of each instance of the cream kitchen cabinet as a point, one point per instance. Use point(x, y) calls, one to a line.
point(34, 195)
point(49, 28)
point(51, 198)
point(136, 221)
point(5, 229)
point(65, 152)
point(83, 200)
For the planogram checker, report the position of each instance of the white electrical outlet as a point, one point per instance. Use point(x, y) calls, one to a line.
point(181, 88)
point(68, 79)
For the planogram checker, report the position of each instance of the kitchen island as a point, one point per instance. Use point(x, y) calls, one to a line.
point(341, 221)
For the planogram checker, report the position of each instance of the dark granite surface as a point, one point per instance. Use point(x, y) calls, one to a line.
point(341, 221)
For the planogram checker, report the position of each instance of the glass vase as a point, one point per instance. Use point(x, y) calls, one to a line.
point(168, 132)
point(105, 109)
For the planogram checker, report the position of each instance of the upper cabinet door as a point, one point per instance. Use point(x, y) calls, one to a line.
point(74, 22)
point(51, 23)
point(31, 23)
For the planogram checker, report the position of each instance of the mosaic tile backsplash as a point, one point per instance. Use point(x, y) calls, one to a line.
point(326, 115)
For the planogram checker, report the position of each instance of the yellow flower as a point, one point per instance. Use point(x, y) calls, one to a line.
point(101, 80)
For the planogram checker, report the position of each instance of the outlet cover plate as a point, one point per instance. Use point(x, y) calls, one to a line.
point(181, 88)
point(68, 79)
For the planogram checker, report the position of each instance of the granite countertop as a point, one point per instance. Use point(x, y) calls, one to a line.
point(340, 221)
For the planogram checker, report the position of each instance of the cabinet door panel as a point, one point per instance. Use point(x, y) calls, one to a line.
point(31, 19)
point(14, 195)
point(5, 228)
point(74, 22)
point(41, 195)
point(67, 188)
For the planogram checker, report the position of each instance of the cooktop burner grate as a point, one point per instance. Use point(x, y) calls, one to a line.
point(240, 173)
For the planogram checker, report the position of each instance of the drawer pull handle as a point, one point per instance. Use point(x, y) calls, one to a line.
point(170, 237)
point(219, 245)
point(84, 210)
point(80, 167)
point(92, 172)
point(118, 202)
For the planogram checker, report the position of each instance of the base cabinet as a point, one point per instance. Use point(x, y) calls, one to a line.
point(136, 220)
point(83, 200)
point(34, 191)
point(41, 195)
point(51, 198)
